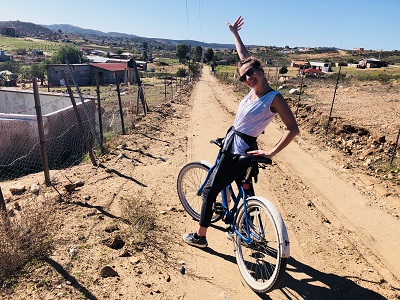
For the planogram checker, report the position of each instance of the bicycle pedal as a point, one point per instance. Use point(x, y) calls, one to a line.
point(218, 208)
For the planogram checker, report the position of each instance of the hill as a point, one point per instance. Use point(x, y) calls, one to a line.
point(26, 28)
point(67, 28)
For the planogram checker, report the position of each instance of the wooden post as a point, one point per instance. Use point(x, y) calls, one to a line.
point(301, 88)
point(2, 202)
point(43, 149)
point(78, 117)
point(85, 109)
point(99, 106)
point(121, 113)
point(333, 101)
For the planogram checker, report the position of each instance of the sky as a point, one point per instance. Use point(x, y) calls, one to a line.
point(345, 24)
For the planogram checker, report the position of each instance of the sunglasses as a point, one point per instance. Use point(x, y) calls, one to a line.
point(249, 73)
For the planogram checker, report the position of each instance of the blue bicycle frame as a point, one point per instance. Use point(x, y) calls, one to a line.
point(229, 214)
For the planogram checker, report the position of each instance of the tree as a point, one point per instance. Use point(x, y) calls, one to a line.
point(10, 65)
point(181, 51)
point(70, 53)
point(38, 71)
point(209, 55)
point(198, 51)
point(181, 72)
point(283, 70)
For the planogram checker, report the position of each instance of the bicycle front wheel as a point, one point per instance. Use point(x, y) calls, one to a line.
point(260, 262)
point(190, 179)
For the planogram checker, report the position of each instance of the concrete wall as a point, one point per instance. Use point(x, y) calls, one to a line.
point(19, 136)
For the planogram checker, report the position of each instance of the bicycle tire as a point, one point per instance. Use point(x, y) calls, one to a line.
point(190, 178)
point(261, 263)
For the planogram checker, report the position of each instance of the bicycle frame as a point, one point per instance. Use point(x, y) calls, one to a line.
point(229, 214)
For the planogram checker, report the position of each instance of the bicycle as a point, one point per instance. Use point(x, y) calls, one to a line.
point(260, 238)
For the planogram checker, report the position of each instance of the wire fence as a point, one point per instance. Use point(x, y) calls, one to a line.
point(106, 111)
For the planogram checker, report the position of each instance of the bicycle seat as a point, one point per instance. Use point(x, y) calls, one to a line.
point(250, 158)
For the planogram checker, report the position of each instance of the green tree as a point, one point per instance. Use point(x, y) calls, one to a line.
point(181, 51)
point(11, 65)
point(198, 51)
point(39, 71)
point(194, 69)
point(181, 72)
point(70, 53)
point(143, 56)
point(283, 70)
point(209, 55)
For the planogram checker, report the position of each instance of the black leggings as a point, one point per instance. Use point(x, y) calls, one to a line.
point(227, 170)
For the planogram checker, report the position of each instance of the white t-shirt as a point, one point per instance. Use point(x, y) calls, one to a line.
point(252, 117)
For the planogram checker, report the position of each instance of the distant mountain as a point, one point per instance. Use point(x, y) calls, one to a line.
point(67, 28)
point(26, 28)
point(31, 29)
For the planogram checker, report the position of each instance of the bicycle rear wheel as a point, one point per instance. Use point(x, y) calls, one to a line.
point(190, 179)
point(260, 262)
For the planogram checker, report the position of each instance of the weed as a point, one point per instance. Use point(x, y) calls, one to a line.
point(24, 237)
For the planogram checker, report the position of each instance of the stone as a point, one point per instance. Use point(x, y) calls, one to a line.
point(35, 188)
point(17, 189)
point(108, 271)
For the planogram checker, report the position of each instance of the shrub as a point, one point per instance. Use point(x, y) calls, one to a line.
point(24, 237)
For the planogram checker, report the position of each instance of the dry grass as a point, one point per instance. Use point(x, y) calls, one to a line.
point(24, 237)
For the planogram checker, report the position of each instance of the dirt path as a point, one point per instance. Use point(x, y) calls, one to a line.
point(340, 247)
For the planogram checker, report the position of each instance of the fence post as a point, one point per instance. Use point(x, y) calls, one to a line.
point(78, 117)
point(43, 148)
point(85, 109)
point(121, 112)
point(99, 105)
point(333, 101)
point(298, 101)
point(2, 202)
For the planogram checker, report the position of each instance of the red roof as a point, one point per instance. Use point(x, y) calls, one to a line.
point(112, 67)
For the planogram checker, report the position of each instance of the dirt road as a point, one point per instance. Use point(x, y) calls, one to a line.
point(342, 248)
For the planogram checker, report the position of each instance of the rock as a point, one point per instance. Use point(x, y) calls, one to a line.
point(73, 251)
point(79, 183)
point(70, 187)
point(182, 270)
point(17, 206)
point(382, 139)
point(294, 91)
point(17, 189)
point(108, 271)
point(167, 277)
point(134, 260)
point(35, 188)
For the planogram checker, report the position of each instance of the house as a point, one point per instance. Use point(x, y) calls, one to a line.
point(85, 74)
point(300, 64)
point(9, 31)
point(108, 71)
point(371, 63)
point(82, 74)
point(322, 66)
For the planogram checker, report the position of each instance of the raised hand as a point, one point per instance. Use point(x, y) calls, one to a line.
point(236, 26)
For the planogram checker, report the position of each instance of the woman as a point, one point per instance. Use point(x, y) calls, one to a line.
point(255, 112)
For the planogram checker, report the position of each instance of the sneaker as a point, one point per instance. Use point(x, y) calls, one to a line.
point(200, 242)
